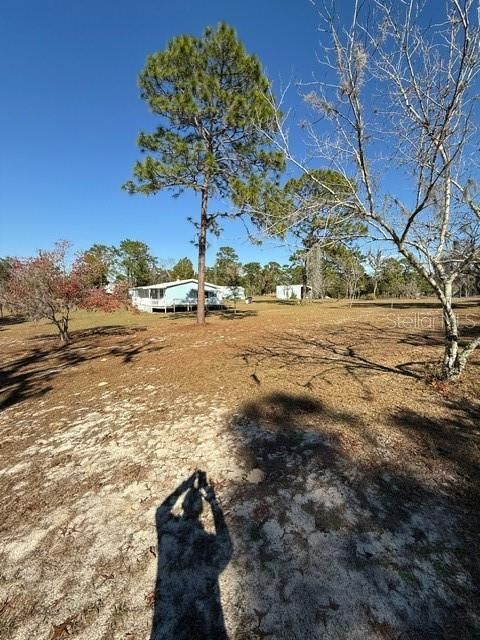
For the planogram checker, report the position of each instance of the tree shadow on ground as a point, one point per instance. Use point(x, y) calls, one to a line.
point(416, 304)
point(109, 330)
point(91, 332)
point(423, 339)
point(470, 332)
point(187, 604)
point(224, 314)
point(30, 375)
point(455, 442)
point(330, 351)
point(7, 321)
point(276, 301)
point(429, 329)
point(238, 314)
point(333, 544)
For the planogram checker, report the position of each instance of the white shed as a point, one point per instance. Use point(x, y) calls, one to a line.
point(291, 292)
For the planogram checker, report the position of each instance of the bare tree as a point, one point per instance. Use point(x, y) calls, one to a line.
point(394, 113)
point(375, 260)
point(350, 267)
point(47, 287)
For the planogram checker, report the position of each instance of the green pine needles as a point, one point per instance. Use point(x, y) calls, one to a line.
point(217, 117)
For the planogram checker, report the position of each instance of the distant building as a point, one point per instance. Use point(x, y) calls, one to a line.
point(232, 293)
point(292, 292)
point(181, 295)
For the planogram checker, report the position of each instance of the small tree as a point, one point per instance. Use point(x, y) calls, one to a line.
point(212, 99)
point(230, 269)
point(101, 260)
point(136, 264)
point(183, 269)
point(227, 266)
point(393, 278)
point(376, 262)
point(45, 287)
point(349, 263)
point(272, 275)
point(252, 278)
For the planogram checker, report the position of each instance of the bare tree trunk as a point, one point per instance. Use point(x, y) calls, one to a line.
point(202, 249)
point(450, 324)
point(62, 326)
point(64, 336)
point(454, 359)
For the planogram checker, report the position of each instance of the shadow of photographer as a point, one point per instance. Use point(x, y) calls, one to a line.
point(187, 601)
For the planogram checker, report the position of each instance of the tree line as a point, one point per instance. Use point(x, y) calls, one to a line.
point(392, 112)
point(337, 271)
point(392, 147)
point(50, 285)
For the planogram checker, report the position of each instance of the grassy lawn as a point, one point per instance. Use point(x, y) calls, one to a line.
point(347, 476)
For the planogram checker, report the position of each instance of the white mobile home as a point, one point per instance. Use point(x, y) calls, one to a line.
point(292, 292)
point(173, 296)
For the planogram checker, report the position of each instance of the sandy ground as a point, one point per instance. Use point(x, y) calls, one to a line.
point(345, 481)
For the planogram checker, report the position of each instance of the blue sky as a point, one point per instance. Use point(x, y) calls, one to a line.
point(70, 114)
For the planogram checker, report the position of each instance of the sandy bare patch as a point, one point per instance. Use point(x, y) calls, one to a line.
point(347, 485)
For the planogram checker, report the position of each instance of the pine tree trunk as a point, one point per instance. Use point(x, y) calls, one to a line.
point(303, 292)
point(202, 249)
point(321, 286)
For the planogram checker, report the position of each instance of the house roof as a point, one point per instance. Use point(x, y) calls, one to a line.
point(174, 283)
point(286, 286)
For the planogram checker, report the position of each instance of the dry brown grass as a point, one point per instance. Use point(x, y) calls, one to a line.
point(103, 429)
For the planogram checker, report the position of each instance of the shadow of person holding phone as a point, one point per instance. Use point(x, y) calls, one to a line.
point(187, 602)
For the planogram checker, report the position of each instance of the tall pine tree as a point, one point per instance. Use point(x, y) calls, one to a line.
point(215, 111)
